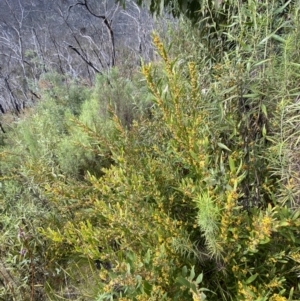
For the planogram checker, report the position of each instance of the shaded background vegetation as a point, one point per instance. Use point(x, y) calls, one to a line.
point(77, 39)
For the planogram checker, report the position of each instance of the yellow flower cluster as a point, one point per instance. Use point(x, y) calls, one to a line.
point(142, 297)
point(290, 184)
point(162, 52)
point(275, 283)
point(192, 69)
point(235, 268)
point(197, 297)
point(227, 216)
point(247, 293)
point(263, 227)
point(295, 256)
point(146, 70)
point(266, 225)
point(277, 297)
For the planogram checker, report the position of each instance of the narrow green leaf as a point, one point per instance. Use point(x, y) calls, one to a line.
point(251, 95)
point(147, 257)
point(183, 281)
point(278, 38)
point(232, 165)
point(261, 62)
point(251, 279)
point(284, 223)
point(291, 294)
point(264, 241)
point(296, 215)
point(128, 268)
point(147, 287)
point(292, 236)
point(264, 131)
point(199, 278)
point(265, 40)
point(223, 146)
point(195, 157)
point(192, 274)
point(240, 167)
point(264, 110)
point(281, 8)
point(295, 64)
point(161, 6)
point(274, 36)
point(184, 271)
point(193, 287)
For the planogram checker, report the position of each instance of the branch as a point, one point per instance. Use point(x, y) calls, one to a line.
point(106, 22)
point(85, 60)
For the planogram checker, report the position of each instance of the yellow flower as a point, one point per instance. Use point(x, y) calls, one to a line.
point(274, 283)
point(295, 256)
point(196, 297)
point(235, 268)
point(266, 225)
point(277, 297)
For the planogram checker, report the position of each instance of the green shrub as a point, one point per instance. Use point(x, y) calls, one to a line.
point(192, 187)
